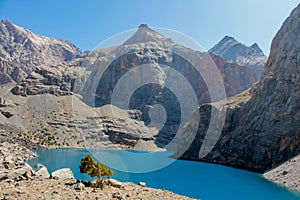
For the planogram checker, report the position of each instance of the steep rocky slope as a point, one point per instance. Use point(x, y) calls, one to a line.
point(262, 126)
point(145, 47)
point(232, 50)
point(287, 174)
point(21, 51)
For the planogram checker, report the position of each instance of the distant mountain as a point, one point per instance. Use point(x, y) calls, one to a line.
point(22, 50)
point(234, 51)
point(262, 126)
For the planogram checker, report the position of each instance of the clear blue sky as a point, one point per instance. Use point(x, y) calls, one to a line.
point(87, 23)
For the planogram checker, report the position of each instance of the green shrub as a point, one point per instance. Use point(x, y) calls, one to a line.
point(95, 169)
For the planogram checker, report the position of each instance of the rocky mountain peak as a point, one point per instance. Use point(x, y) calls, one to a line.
point(22, 50)
point(5, 22)
point(143, 26)
point(233, 50)
point(256, 47)
point(145, 34)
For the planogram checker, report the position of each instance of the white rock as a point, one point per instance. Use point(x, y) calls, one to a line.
point(43, 172)
point(63, 174)
point(143, 184)
point(79, 186)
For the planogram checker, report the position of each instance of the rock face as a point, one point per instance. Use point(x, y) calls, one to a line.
point(262, 126)
point(234, 51)
point(42, 99)
point(21, 51)
point(147, 47)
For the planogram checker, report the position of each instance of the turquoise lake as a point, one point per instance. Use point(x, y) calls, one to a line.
point(193, 179)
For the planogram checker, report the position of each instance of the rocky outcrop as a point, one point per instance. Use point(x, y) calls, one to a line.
point(147, 47)
point(21, 51)
point(13, 165)
point(234, 51)
point(262, 127)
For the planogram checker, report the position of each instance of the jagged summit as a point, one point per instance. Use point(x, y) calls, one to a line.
point(145, 34)
point(223, 45)
point(5, 21)
point(235, 51)
point(21, 51)
point(143, 26)
point(256, 47)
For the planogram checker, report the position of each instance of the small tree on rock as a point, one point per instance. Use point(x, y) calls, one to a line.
point(93, 168)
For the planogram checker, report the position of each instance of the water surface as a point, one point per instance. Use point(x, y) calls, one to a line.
point(193, 179)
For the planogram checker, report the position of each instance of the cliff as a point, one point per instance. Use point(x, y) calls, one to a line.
point(262, 126)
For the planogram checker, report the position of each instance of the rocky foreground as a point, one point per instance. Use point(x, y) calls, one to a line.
point(57, 189)
point(19, 181)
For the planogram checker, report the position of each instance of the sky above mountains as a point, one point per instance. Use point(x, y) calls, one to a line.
point(87, 23)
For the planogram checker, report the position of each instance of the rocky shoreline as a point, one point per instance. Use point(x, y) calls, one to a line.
point(19, 181)
point(286, 174)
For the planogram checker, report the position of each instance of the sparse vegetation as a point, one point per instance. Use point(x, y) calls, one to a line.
point(95, 169)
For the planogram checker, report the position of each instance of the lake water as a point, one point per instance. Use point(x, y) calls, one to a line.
point(193, 179)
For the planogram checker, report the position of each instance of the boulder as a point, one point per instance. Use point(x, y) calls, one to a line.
point(39, 166)
point(63, 174)
point(43, 172)
point(114, 183)
point(25, 172)
point(143, 184)
point(78, 186)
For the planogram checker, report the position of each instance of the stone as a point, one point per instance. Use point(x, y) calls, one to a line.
point(114, 183)
point(78, 186)
point(9, 165)
point(38, 165)
point(143, 184)
point(43, 172)
point(63, 174)
point(117, 195)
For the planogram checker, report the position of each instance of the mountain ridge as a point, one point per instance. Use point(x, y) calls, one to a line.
point(21, 51)
point(262, 125)
point(231, 49)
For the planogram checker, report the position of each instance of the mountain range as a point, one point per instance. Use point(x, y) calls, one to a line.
point(54, 95)
point(56, 85)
